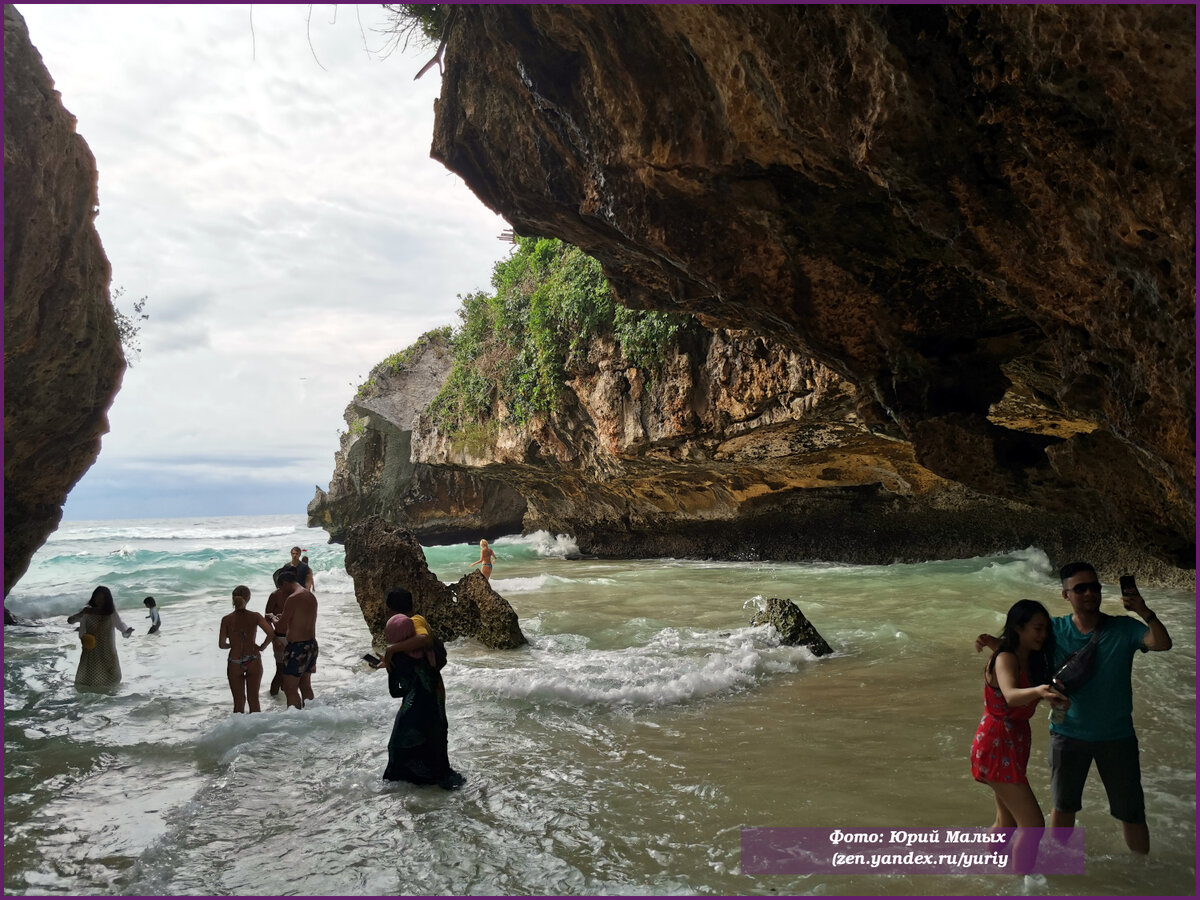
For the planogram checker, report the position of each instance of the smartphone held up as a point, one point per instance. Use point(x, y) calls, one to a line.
point(1128, 589)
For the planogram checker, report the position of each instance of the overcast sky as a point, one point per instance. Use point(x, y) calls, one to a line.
point(286, 223)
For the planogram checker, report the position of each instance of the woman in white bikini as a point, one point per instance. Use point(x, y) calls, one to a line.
point(486, 558)
point(238, 630)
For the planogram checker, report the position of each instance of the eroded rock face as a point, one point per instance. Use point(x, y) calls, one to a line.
point(980, 217)
point(63, 361)
point(380, 557)
point(739, 449)
point(375, 473)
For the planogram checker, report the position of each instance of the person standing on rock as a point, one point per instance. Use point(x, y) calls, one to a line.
point(299, 623)
point(486, 558)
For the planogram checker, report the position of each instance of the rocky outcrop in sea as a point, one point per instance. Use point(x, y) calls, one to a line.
point(375, 472)
point(380, 557)
point(792, 625)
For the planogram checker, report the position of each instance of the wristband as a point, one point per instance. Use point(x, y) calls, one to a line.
point(1150, 616)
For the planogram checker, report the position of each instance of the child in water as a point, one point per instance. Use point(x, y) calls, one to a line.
point(155, 621)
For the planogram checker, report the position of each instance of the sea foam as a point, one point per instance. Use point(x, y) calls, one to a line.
point(675, 666)
point(524, 585)
point(542, 544)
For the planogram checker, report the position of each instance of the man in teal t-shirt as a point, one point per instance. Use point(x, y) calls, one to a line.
point(1099, 724)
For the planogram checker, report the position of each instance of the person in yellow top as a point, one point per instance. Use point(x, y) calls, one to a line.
point(417, 749)
point(400, 602)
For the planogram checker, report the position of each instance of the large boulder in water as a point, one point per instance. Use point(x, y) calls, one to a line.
point(794, 629)
point(380, 557)
point(484, 614)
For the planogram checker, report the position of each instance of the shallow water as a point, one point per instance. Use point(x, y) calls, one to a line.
point(620, 753)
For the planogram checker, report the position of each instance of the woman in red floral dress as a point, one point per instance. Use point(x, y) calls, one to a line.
point(1014, 681)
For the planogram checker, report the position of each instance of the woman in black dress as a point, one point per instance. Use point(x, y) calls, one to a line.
point(417, 748)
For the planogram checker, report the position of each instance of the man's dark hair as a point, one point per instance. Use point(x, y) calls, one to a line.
point(287, 576)
point(149, 601)
point(1070, 570)
point(399, 600)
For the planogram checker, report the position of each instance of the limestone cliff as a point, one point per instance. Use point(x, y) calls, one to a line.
point(375, 473)
point(980, 217)
point(63, 361)
point(738, 448)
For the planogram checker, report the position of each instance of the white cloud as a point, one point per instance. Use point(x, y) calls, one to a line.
point(282, 216)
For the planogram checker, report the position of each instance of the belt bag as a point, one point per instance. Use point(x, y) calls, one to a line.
point(1078, 668)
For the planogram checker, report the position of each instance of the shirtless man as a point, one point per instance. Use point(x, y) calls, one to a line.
point(238, 631)
point(274, 611)
point(299, 623)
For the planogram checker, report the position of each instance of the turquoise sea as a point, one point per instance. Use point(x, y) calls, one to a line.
point(621, 752)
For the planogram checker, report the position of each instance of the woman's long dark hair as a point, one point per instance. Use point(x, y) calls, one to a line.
point(102, 601)
point(1041, 662)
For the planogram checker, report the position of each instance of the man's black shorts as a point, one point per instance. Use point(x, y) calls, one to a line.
point(1119, 767)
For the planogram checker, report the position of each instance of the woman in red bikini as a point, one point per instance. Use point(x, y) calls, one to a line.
point(1014, 681)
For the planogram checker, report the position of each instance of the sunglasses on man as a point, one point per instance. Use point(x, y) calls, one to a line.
point(1087, 586)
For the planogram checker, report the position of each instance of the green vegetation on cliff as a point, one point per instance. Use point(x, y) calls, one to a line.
point(423, 21)
point(129, 326)
point(513, 348)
